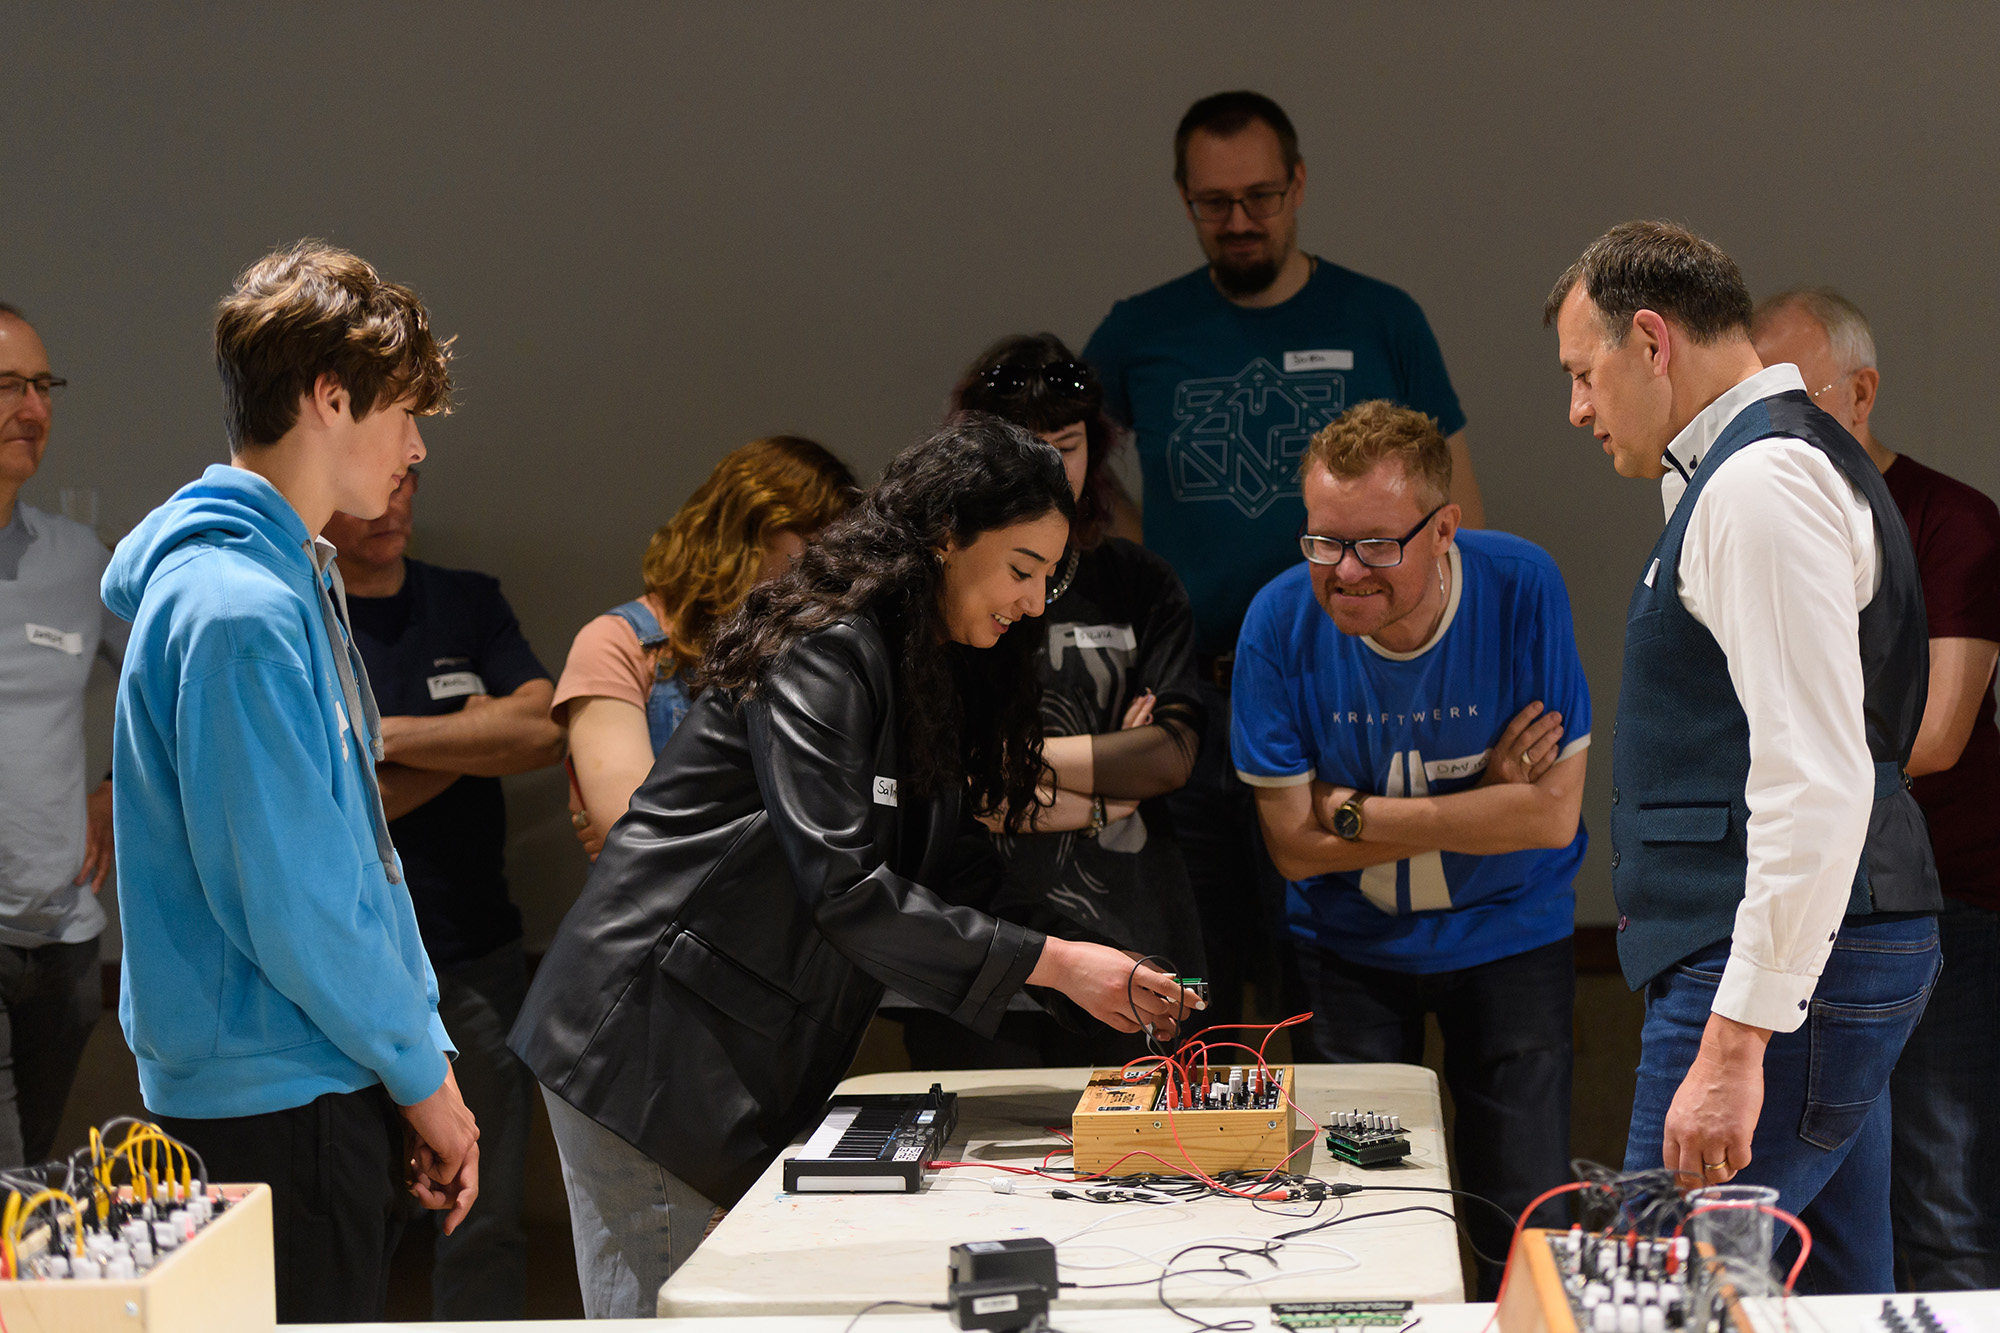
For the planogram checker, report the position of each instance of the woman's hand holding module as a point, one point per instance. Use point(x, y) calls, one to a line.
point(1105, 983)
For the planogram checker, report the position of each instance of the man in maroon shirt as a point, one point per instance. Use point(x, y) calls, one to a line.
point(1945, 1199)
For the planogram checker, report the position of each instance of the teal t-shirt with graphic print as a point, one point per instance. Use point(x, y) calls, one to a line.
point(1222, 400)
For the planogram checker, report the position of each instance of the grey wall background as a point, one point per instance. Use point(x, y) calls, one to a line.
point(660, 230)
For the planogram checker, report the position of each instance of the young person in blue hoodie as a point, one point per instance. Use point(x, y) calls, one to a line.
point(276, 991)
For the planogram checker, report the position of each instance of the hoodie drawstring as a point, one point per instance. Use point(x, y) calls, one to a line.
point(364, 718)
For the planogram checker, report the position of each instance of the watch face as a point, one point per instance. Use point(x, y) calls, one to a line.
point(1347, 822)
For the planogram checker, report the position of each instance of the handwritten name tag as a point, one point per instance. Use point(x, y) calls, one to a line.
point(44, 637)
point(455, 684)
point(1444, 770)
point(1106, 636)
point(1324, 358)
point(885, 791)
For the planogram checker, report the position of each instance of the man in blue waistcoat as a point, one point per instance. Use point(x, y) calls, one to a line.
point(1773, 872)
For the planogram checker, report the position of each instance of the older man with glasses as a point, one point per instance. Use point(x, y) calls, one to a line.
point(55, 825)
point(1410, 710)
point(1944, 1200)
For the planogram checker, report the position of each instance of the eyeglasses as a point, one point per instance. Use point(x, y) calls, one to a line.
point(13, 387)
point(1066, 379)
point(1374, 552)
point(1257, 204)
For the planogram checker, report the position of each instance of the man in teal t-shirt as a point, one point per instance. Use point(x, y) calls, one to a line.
point(1223, 375)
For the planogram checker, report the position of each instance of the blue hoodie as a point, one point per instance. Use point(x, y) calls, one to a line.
point(271, 951)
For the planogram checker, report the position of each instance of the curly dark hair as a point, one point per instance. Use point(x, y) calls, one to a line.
point(1041, 407)
point(968, 714)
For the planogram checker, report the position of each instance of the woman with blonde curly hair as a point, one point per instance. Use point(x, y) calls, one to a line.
point(624, 688)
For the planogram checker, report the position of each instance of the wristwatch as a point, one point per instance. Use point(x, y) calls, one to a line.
point(1347, 819)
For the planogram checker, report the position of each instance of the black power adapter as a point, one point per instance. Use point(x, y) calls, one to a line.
point(1001, 1284)
point(1027, 1256)
point(1002, 1303)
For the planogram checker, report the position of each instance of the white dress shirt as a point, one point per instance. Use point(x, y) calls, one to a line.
point(1780, 557)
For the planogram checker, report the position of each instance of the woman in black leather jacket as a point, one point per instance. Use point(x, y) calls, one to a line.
point(803, 842)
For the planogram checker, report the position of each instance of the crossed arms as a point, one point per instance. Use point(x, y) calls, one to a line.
point(1515, 806)
point(489, 737)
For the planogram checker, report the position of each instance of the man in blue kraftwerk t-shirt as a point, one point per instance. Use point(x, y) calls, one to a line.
point(1223, 375)
point(1411, 713)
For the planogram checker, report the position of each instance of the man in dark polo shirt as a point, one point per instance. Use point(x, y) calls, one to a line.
point(1945, 1183)
point(464, 703)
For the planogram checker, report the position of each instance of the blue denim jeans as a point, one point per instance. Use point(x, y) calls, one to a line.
point(1822, 1140)
point(1944, 1198)
point(633, 1222)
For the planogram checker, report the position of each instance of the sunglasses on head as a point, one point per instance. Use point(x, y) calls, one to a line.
point(1067, 379)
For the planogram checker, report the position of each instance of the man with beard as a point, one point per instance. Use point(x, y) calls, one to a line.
point(1223, 375)
point(1414, 720)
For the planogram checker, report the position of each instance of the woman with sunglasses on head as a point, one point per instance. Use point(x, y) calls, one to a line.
point(625, 686)
point(1121, 720)
point(801, 844)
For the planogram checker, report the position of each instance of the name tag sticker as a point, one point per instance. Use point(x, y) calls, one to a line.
point(1445, 770)
point(1324, 358)
point(1106, 636)
point(455, 685)
point(1651, 571)
point(44, 637)
point(885, 791)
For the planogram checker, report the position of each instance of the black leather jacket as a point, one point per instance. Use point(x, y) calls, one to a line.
point(710, 986)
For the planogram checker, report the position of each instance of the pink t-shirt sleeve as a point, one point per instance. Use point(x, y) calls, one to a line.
point(605, 659)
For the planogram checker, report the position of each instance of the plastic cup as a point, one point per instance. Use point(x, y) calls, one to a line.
point(1731, 1221)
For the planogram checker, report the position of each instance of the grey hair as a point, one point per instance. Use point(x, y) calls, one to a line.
point(1847, 330)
